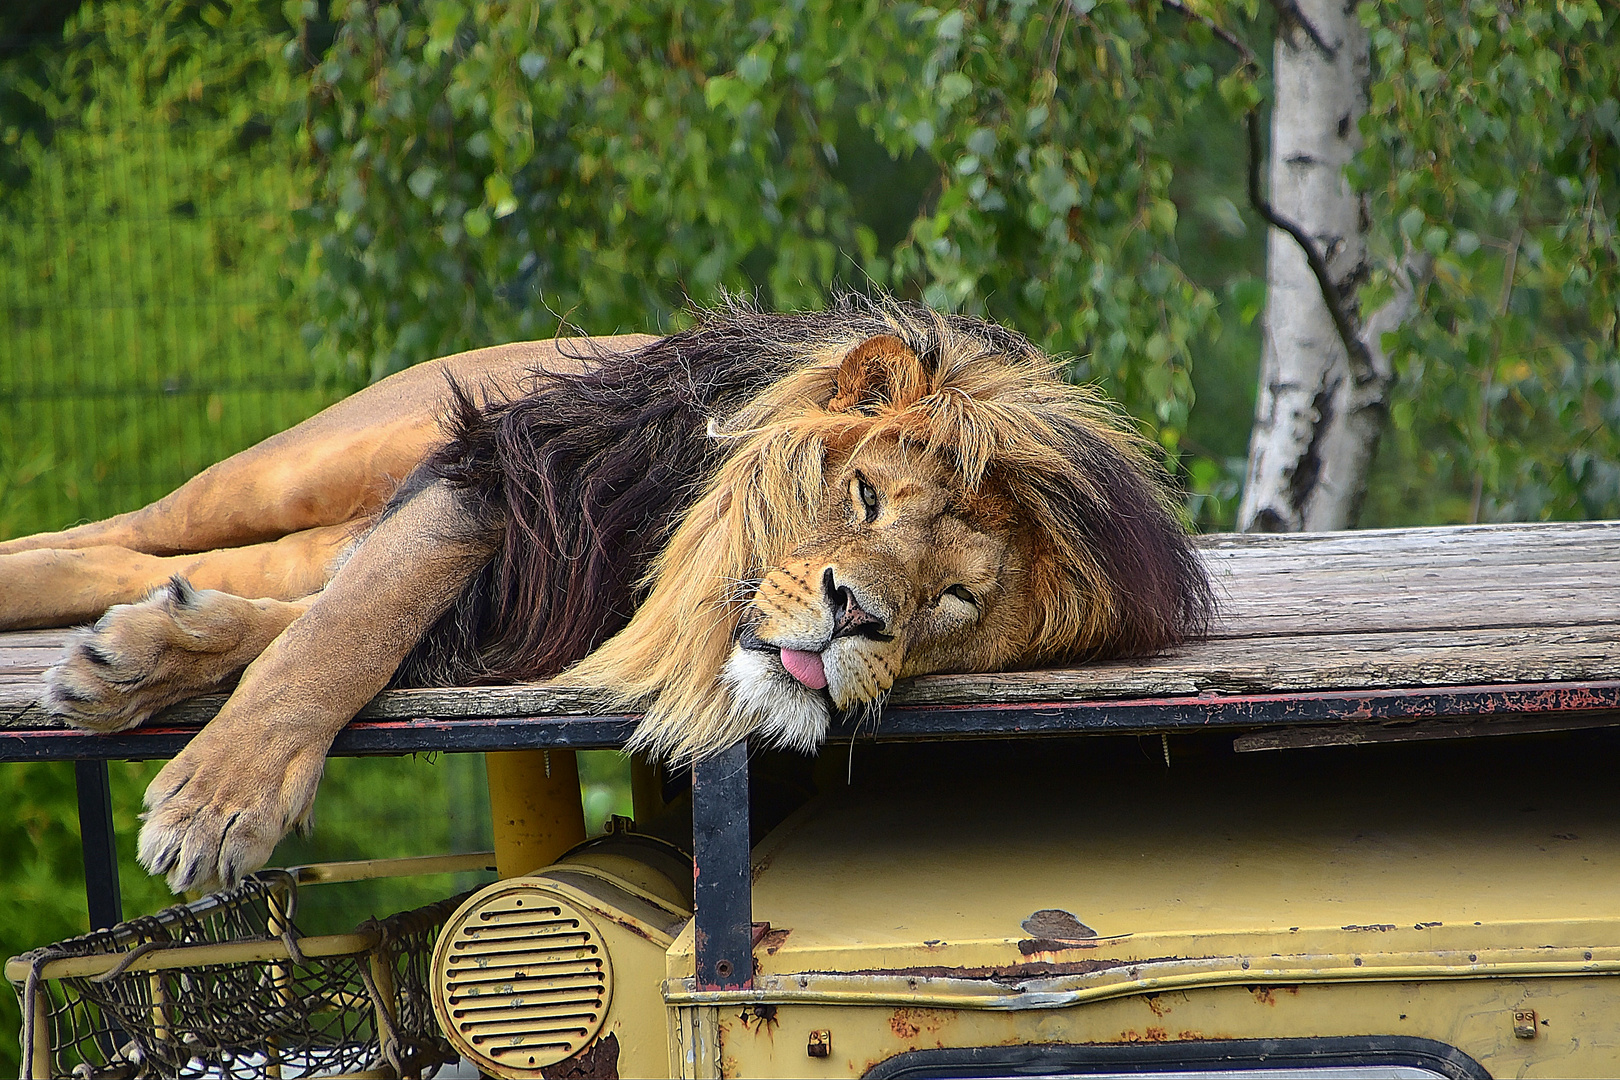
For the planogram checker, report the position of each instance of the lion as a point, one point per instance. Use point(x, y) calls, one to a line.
point(743, 530)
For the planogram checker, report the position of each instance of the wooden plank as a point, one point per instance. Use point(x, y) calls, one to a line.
point(16, 662)
point(1259, 567)
point(1597, 575)
point(1299, 663)
point(1385, 608)
point(1328, 614)
point(38, 639)
point(1334, 661)
point(1437, 542)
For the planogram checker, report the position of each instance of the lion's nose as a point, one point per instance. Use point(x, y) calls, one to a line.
point(847, 614)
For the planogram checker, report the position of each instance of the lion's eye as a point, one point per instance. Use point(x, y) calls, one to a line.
point(868, 496)
point(962, 594)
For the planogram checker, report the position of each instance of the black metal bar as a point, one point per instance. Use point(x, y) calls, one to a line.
point(359, 739)
point(98, 844)
point(722, 887)
point(1581, 701)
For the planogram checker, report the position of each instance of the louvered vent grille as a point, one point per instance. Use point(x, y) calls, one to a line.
point(523, 979)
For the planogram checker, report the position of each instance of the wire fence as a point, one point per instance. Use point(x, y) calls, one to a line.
point(145, 330)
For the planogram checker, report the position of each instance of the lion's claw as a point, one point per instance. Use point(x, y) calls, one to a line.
point(216, 812)
point(140, 658)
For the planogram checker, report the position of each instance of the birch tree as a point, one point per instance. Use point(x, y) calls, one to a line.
point(1324, 376)
point(1492, 133)
point(487, 168)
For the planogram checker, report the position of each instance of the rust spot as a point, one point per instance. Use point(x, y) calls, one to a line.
point(773, 940)
point(1014, 973)
point(1153, 1003)
point(1264, 996)
point(1380, 927)
point(1189, 1035)
point(598, 1061)
point(1149, 1035)
point(760, 1019)
point(630, 925)
point(1039, 946)
point(907, 1024)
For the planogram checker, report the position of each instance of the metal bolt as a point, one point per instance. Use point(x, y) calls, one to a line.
point(820, 1044)
point(1524, 1023)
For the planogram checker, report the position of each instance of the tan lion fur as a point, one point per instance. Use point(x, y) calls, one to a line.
point(994, 417)
point(1021, 523)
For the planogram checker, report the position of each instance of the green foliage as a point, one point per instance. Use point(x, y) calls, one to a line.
point(42, 888)
point(217, 216)
point(1493, 143)
point(148, 332)
point(490, 170)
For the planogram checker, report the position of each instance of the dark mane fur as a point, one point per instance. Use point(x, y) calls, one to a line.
point(581, 480)
point(1162, 593)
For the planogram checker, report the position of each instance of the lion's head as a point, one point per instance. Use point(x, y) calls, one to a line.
point(922, 495)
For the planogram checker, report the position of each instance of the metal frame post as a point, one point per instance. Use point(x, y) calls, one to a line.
point(722, 886)
point(98, 844)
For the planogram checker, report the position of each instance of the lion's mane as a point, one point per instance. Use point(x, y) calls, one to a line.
point(636, 505)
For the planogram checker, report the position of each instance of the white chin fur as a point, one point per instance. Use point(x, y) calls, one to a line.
point(781, 709)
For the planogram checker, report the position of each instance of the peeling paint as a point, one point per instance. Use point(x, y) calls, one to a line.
point(1014, 973)
point(908, 1023)
point(1047, 946)
point(760, 1019)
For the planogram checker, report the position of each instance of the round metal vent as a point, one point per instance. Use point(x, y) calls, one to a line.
point(521, 979)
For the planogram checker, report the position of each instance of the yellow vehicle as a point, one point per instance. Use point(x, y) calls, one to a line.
point(1368, 830)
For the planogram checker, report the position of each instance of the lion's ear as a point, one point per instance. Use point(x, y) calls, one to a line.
point(881, 371)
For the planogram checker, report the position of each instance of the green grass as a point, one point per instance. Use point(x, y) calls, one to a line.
point(146, 331)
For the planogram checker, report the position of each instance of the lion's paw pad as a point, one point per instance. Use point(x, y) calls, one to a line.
point(142, 657)
point(212, 819)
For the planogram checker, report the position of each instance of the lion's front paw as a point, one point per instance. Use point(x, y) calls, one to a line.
point(139, 658)
point(218, 810)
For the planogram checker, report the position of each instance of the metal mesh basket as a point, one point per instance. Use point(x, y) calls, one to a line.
point(226, 986)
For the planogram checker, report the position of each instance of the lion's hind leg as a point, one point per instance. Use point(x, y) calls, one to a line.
point(177, 643)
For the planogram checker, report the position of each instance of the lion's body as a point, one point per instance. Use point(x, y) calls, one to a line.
point(740, 530)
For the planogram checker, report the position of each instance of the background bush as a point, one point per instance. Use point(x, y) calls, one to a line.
point(216, 217)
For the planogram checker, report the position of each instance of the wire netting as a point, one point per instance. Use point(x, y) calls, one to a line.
point(294, 1014)
point(147, 323)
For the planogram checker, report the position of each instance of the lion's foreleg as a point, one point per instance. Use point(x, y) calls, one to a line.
point(218, 809)
point(61, 588)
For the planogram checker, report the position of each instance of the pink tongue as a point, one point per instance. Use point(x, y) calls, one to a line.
point(806, 667)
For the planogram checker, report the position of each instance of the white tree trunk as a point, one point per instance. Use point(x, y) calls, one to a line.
point(1321, 406)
